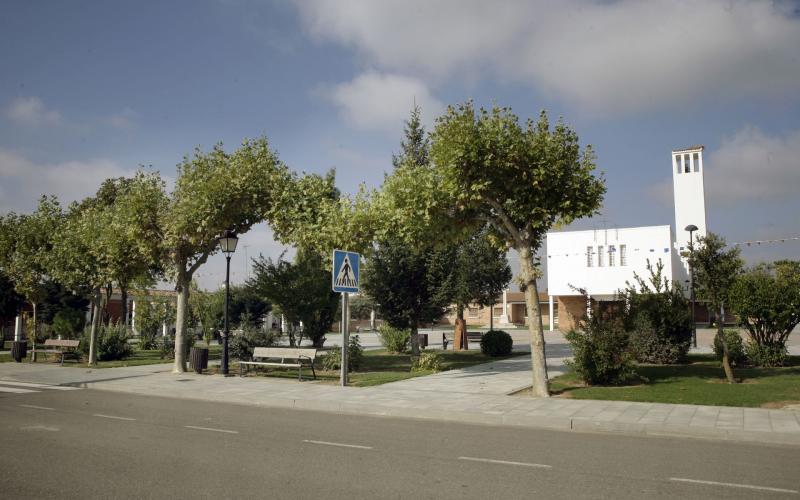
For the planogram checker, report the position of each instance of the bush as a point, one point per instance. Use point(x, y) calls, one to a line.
point(333, 360)
point(68, 323)
point(167, 345)
point(768, 355)
point(652, 343)
point(657, 318)
point(241, 346)
point(601, 354)
point(496, 343)
point(112, 343)
point(394, 339)
point(736, 352)
point(427, 361)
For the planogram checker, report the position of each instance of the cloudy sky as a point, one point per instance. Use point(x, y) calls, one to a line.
point(90, 90)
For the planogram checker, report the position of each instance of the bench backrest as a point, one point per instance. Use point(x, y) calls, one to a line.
point(61, 343)
point(284, 352)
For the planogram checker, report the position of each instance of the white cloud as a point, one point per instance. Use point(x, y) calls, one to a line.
point(31, 112)
point(124, 119)
point(600, 57)
point(751, 165)
point(380, 100)
point(747, 166)
point(24, 181)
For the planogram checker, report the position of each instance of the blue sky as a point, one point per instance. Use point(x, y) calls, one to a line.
point(90, 90)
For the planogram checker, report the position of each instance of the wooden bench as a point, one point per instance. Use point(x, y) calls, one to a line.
point(60, 347)
point(289, 357)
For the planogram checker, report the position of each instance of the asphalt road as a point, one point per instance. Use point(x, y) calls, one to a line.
point(95, 444)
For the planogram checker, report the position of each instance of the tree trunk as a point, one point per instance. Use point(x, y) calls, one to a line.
point(124, 293)
point(93, 332)
point(182, 287)
point(528, 276)
point(460, 339)
point(726, 364)
point(33, 334)
point(414, 340)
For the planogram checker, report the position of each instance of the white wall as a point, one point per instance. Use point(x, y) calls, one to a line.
point(567, 259)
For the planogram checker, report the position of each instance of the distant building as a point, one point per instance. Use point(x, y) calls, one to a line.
point(602, 261)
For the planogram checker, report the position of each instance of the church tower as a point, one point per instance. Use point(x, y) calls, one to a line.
point(689, 193)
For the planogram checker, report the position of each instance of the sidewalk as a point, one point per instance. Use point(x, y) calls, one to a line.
point(473, 395)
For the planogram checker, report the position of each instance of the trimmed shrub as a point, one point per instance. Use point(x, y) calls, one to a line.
point(496, 343)
point(333, 360)
point(68, 323)
point(427, 361)
point(653, 343)
point(736, 352)
point(112, 343)
point(767, 355)
point(601, 354)
point(395, 340)
point(241, 346)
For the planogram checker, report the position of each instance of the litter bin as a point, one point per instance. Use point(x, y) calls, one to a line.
point(198, 358)
point(423, 339)
point(19, 349)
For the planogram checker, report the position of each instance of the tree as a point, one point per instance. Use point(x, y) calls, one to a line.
point(27, 244)
point(715, 272)
point(766, 299)
point(480, 273)
point(487, 169)
point(301, 290)
point(10, 301)
point(215, 192)
point(408, 287)
point(415, 148)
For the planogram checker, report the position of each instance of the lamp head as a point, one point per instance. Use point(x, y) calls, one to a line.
point(690, 228)
point(227, 242)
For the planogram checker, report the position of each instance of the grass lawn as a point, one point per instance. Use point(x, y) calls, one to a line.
point(701, 381)
point(138, 358)
point(380, 367)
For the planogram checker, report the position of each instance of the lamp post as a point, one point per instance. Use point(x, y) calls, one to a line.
point(692, 228)
point(227, 243)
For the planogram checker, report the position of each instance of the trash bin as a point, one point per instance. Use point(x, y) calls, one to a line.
point(198, 358)
point(19, 349)
point(423, 339)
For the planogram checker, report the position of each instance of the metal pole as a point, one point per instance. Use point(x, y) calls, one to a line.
point(345, 336)
point(691, 285)
point(224, 368)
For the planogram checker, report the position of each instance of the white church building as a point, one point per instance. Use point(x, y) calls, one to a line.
point(602, 261)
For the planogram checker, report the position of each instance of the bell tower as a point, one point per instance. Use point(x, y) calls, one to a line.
point(689, 192)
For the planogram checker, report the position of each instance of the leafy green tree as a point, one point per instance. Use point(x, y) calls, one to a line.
point(301, 291)
point(766, 298)
point(408, 287)
point(57, 297)
point(415, 148)
point(480, 273)
point(361, 307)
point(68, 323)
point(27, 243)
point(487, 169)
point(215, 192)
point(715, 272)
point(10, 301)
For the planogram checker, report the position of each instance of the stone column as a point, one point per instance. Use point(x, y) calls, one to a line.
point(18, 329)
point(552, 320)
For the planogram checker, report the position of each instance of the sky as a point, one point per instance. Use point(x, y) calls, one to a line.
point(98, 89)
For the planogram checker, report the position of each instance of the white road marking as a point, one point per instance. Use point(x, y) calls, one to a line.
point(16, 390)
point(39, 386)
point(341, 445)
point(734, 485)
point(113, 417)
point(37, 407)
point(40, 428)
point(210, 429)
point(506, 462)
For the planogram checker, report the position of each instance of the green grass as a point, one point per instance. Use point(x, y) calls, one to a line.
point(381, 367)
point(701, 381)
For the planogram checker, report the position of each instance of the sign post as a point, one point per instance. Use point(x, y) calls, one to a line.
point(345, 279)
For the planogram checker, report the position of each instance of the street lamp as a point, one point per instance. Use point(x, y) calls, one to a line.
point(692, 228)
point(227, 243)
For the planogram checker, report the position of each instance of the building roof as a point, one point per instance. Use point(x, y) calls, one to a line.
point(698, 147)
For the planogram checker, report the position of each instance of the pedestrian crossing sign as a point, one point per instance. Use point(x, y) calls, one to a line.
point(345, 271)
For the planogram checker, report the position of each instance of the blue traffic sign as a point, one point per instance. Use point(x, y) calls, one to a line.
point(345, 271)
